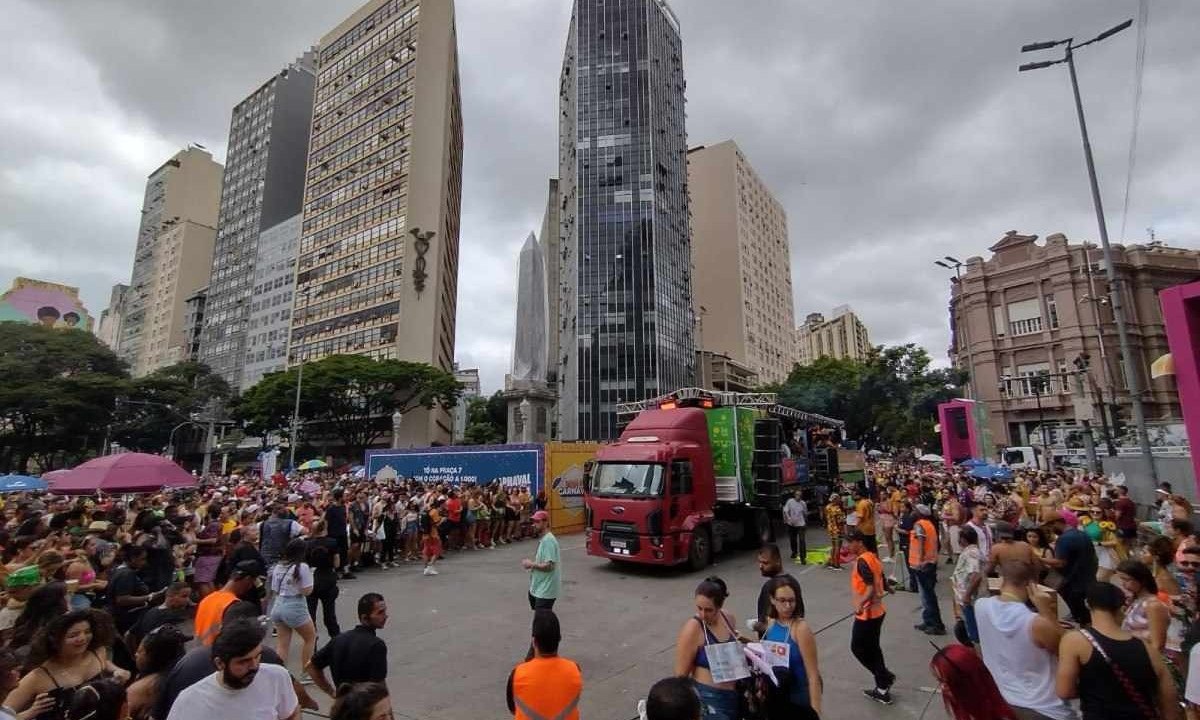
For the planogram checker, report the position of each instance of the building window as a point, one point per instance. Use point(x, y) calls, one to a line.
point(1024, 317)
point(1052, 312)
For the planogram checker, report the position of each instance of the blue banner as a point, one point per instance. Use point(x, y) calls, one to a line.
point(510, 465)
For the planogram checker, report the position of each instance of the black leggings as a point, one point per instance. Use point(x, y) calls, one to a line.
point(388, 549)
point(327, 595)
point(864, 644)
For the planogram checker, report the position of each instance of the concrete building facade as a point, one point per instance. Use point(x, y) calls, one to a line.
point(843, 336)
point(264, 185)
point(469, 377)
point(625, 318)
point(377, 272)
point(172, 259)
point(270, 307)
point(1033, 308)
point(743, 283)
point(194, 307)
point(108, 328)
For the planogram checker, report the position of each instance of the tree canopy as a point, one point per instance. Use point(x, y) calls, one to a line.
point(57, 395)
point(350, 397)
point(888, 401)
point(487, 420)
point(186, 392)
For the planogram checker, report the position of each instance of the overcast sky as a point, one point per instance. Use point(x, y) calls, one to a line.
point(893, 132)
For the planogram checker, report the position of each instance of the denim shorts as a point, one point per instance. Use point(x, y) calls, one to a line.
point(290, 610)
point(716, 703)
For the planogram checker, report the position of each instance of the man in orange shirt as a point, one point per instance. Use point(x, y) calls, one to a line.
point(867, 591)
point(922, 563)
point(245, 577)
point(546, 686)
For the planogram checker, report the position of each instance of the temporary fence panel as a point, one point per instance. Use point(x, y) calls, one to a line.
point(564, 482)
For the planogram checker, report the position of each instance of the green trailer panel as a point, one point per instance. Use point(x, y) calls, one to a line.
point(732, 447)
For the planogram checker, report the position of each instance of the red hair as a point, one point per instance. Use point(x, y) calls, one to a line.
point(968, 689)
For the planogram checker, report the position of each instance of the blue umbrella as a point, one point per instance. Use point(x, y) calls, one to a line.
point(21, 483)
point(973, 463)
point(991, 472)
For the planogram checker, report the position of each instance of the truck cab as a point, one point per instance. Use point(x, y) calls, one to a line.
point(648, 492)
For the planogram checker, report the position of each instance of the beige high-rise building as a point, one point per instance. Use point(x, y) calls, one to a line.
point(743, 283)
point(842, 337)
point(172, 261)
point(377, 273)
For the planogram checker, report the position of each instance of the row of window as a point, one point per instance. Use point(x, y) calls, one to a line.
point(346, 173)
point(376, 186)
point(366, 277)
point(313, 332)
point(350, 146)
point(370, 255)
point(357, 300)
point(351, 243)
point(373, 216)
point(332, 64)
point(395, 98)
point(393, 69)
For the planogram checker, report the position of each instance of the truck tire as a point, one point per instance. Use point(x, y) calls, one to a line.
point(700, 549)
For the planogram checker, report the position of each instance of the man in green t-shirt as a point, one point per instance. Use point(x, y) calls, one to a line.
point(545, 574)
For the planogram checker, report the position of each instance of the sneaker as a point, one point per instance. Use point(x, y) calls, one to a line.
point(435, 572)
point(935, 631)
point(879, 696)
point(887, 560)
point(305, 679)
point(920, 627)
point(492, 546)
point(427, 571)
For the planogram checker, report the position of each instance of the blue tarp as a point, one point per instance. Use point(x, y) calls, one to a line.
point(991, 472)
point(973, 463)
point(21, 483)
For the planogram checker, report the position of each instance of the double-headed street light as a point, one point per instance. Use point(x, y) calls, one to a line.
point(1132, 368)
point(951, 263)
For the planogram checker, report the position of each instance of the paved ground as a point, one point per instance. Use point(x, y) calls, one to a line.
point(452, 639)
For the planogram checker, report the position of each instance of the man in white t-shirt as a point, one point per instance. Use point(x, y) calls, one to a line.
point(241, 687)
point(795, 516)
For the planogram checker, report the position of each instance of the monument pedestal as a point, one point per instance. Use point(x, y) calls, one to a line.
point(530, 409)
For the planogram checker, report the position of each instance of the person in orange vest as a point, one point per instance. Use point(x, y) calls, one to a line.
point(922, 563)
point(548, 686)
point(867, 591)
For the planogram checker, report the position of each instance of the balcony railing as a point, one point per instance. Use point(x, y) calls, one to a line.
point(1025, 327)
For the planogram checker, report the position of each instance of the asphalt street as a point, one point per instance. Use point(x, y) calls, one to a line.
point(453, 638)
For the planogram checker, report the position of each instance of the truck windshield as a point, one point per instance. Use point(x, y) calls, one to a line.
point(636, 480)
point(1014, 457)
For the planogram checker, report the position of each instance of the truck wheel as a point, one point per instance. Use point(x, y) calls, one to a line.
point(700, 549)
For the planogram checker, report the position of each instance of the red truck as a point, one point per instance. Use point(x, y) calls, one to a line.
point(697, 470)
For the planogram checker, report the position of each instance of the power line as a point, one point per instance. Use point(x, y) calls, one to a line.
point(1143, 20)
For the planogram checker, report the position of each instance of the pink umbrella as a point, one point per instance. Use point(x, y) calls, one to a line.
point(124, 473)
point(54, 475)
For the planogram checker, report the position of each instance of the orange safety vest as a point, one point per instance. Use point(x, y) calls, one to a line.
point(922, 552)
point(859, 588)
point(547, 688)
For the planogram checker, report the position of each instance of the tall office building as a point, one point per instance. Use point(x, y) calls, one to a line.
point(264, 185)
point(842, 337)
point(625, 271)
point(172, 259)
point(552, 250)
point(270, 316)
point(108, 329)
point(377, 273)
point(743, 285)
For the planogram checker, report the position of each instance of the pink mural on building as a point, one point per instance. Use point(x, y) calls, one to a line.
point(1181, 314)
point(47, 303)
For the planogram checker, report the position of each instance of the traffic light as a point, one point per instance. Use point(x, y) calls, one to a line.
point(1118, 422)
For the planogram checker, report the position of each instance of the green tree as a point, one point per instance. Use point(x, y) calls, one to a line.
point(185, 392)
point(888, 400)
point(57, 396)
point(487, 420)
point(350, 397)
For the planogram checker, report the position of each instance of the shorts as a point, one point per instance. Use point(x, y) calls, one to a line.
point(291, 611)
point(537, 603)
point(431, 547)
point(888, 521)
point(206, 568)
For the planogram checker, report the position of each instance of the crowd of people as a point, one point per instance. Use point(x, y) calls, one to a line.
point(185, 604)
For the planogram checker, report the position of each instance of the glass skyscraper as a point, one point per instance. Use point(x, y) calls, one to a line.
point(625, 298)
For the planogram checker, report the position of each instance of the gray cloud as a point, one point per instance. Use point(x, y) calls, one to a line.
point(893, 133)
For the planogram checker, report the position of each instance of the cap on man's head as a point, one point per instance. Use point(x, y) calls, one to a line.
point(249, 568)
point(541, 515)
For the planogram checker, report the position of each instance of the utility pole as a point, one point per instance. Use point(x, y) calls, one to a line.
point(208, 437)
point(1083, 412)
point(1132, 367)
point(961, 323)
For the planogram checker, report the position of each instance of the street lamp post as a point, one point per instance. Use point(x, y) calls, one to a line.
point(295, 440)
point(954, 264)
point(171, 439)
point(1132, 370)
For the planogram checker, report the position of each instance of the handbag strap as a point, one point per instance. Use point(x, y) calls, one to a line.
point(1126, 684)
